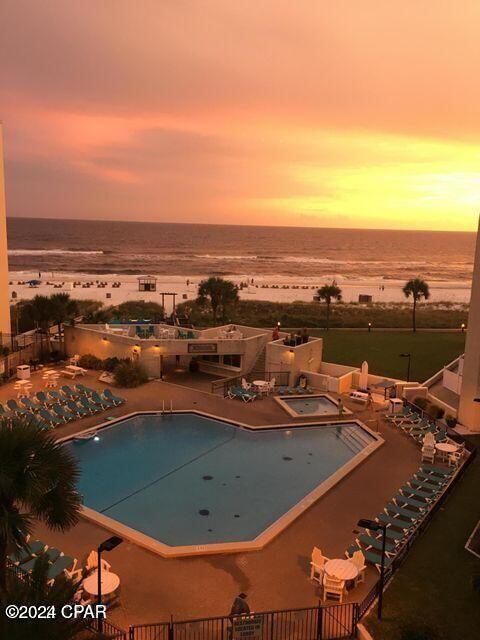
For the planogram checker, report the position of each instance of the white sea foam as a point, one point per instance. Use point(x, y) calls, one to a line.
point(39, 252)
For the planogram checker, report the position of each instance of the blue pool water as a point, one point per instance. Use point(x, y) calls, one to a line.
point(312, 405)
point(156, 474)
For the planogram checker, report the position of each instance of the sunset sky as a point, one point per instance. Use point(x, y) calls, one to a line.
point(344, 113)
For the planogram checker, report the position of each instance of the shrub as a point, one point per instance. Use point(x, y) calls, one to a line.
point(89, 361)
point(110, 364)
point(130, 374)
point(435, 412)
point(421, 403)
point(451, 421)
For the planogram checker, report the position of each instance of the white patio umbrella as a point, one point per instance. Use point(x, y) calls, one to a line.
point(363, 382)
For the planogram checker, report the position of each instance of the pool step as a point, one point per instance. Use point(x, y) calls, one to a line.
point(355, 440)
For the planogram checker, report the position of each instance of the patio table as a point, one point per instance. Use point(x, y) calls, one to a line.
point(341, 569)
point(110, 582)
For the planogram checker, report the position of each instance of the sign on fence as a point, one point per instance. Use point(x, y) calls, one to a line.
point(247, 628)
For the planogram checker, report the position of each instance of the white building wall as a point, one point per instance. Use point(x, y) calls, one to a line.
point(469, 411)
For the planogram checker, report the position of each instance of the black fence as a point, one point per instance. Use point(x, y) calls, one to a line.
point(224, 384)
point(325, 622)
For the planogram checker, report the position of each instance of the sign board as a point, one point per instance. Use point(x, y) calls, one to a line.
point(247, 628)
point(202, 347)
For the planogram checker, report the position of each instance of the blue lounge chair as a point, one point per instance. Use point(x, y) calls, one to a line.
point(14, 408)
point(438, 471)
point(62, 413)
point(370, 556)
point(371, 542)
point(103, 402)
point(55, 396)
point(406, 514)
point(83, 390)
point(110, 396)
point(42, 398)
point(77, 409)
point(397, 522)
point(69, 393)
point(418, 493)
point(22, 555)
point(51, 553)
point(63, 564)
point(49, 417)
point(4, 413)
point(405, 502)
point(28, 404)
point(85, 402)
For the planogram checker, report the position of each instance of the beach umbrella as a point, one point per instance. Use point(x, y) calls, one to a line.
point(363, 382)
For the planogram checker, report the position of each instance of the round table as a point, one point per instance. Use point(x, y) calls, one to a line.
point(446, 447)
point(341, 569)
point(260, 383)
point(110, 582)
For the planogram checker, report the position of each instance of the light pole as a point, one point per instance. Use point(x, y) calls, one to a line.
point(369, 327)
point(373, 525)
point(462, 327)
point(160, 361)
point(409, 356)
point(106, 545)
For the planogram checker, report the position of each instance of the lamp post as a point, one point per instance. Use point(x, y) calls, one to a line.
point(462, 327)
point(373, 525)
point(369, 327)
point(160, 361)
point(106, 545)
point(409, 356)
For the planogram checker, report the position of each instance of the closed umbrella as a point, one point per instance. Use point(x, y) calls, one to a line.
point(363, 383)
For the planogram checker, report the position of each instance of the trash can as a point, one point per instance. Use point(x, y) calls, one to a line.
point(395, 405)
point(23, 372)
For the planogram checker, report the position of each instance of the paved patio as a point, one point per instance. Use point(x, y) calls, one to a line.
point(153, 588)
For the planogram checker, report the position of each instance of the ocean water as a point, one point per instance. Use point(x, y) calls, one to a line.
point(99, 247)
point(187, 479)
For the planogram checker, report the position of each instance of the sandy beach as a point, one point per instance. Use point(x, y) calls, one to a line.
point(273, 289)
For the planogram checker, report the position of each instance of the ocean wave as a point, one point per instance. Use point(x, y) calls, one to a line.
point(39, 252)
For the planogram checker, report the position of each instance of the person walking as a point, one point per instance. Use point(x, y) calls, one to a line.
point(240, 606)
point(340, 407)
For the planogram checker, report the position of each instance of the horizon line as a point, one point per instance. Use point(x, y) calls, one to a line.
point(218, 224)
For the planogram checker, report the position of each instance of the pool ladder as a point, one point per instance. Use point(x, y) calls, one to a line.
point(163, 407)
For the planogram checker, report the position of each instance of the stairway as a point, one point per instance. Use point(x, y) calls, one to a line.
point(259, 365)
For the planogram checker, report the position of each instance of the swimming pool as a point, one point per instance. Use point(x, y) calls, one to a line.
point(310, 405)
point(191, 483)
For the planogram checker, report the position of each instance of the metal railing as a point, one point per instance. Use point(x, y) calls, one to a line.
point(324, 622)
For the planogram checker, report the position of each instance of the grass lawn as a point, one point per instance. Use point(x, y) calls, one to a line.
point(433, 587)
point(430, 350)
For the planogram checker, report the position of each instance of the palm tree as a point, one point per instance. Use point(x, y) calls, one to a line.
point(328, 293)
point(35, 591)
point(37, 482)
point(63, 308)
point(40, 310)
point(418, 289)
point(217, 292)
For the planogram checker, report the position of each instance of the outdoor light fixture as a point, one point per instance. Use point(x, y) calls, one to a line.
point(106, 545)
point(369, 327)
point(373, 525)
point(462, 327)
point(104, 339)
point(278, 324)
point(409, 356)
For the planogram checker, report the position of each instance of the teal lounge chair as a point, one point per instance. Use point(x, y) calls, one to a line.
point(42, 398)
point(110, 396)
point(55, 396)
point(439, 471)
point(430, 480)
point(77, 409)
point(61, 412)
point(85, 402)
point(14, 408)
point(405, 525)
point(103, 402)
point(68, 392)
point(33, 549)
point(370, 542)
point(51, 553)
point(49, 417)
point(370, 556)
point(392, 534)
point(60, 566)
point(4, 413)
point(407, 514)
point(405, 501)
point(28, 404)
point(83, 390)
point(418, 493)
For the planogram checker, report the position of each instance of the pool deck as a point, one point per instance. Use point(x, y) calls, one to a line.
point(153, 588)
